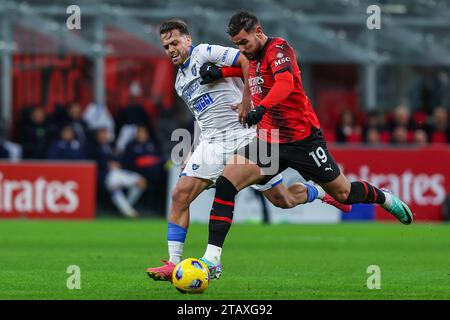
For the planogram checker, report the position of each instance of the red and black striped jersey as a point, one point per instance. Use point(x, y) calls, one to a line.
point(294, 116)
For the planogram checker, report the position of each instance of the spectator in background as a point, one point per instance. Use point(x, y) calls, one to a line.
point(401, 126)
point(373, 136)
point(142, 156)
point(132, 115)
point(438, 128)
point(66, 147)
point(171, 119)
point(400, 135)
point(8, 149)
point(112, 177)
point(373, 127)
point(420, 138)
point(373, 120)
point(58, 116)
point(97, 117)
point(401, 117)
point(36, 135)
point(134, 112)
point(347, 129)
point(75, 120)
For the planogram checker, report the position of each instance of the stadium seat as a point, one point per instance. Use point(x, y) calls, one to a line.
point(354, 137)
point(329, 135)
point(410, 136)
point(389, 117)
point(330, 104)
point(438, 137)
point(385, 137)
point(419, 119)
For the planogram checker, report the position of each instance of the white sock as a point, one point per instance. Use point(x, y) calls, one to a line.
point(321, 194)
point(175, 251)
point(118, 198)
point(388, 203)
point(213, 254)
point(134, 194)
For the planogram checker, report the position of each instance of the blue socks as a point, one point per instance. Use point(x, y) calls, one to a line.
point(312, 192)
point(176, 233)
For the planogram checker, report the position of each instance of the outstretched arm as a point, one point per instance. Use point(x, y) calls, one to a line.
point(232, 72)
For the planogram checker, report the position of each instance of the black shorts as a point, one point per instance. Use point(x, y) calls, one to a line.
point(310, 157)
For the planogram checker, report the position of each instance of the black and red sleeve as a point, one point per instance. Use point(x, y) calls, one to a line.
point(280, 58)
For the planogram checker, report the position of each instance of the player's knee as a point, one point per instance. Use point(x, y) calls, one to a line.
point(180, 198)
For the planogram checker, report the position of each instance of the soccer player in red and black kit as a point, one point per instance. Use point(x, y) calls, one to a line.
point(282, 107)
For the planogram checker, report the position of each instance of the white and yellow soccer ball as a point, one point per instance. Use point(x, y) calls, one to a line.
point(191, 276)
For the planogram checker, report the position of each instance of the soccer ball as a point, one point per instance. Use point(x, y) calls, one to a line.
point(191, 276)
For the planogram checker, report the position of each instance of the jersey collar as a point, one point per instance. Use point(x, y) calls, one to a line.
point(188, 59)
point(264, 48)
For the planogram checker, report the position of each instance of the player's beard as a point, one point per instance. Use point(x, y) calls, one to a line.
point(181, 58)
point(254, 55)
point(249, 56)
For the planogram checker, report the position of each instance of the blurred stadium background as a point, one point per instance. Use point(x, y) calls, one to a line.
point(71, 100)
point(382, 96)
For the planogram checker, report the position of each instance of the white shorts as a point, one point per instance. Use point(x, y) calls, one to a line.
point(119, 178)
point(209, 159)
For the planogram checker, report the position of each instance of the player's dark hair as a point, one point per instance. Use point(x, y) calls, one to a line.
point(242, 20)
point(174, 24)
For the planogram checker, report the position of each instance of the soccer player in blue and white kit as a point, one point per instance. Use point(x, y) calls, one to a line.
point(221, 135)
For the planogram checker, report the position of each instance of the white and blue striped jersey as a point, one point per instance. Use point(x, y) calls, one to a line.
point(211, 103)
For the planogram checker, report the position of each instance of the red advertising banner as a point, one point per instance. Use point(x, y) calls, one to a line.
point(48, 190)
point(419, 176)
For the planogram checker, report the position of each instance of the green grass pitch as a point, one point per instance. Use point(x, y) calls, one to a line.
point(260, 262)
